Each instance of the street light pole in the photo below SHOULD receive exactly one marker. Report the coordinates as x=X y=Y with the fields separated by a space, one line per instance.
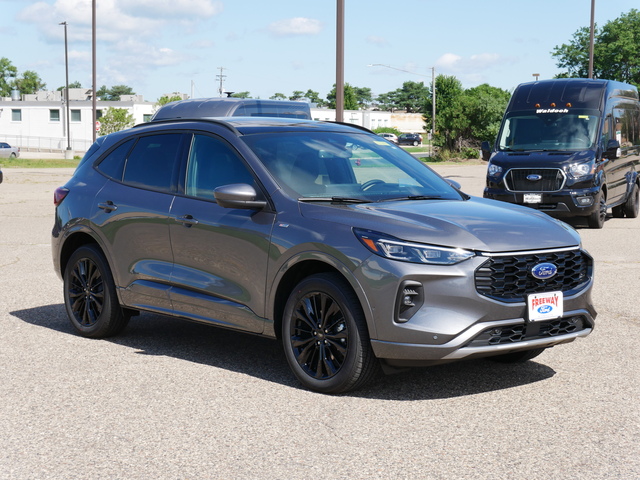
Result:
x=66 y=88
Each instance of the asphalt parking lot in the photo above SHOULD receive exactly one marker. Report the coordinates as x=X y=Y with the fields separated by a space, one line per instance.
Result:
x=175 y=400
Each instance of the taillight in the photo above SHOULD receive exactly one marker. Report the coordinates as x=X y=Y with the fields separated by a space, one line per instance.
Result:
x=59 y=195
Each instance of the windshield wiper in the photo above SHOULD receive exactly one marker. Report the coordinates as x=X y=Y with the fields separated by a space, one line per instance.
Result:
x=334 y=199
x=412 y=197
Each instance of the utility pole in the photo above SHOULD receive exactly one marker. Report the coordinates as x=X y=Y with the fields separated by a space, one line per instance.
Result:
x=221 y=77
x=340 y=61
x=591 y=35
x=94 y=84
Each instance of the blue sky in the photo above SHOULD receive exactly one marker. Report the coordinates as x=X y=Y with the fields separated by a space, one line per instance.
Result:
x=265 y=47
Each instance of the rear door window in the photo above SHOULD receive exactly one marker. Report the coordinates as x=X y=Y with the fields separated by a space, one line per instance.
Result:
x=153 y=162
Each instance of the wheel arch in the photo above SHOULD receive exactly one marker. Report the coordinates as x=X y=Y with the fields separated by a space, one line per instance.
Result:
x=293 y=273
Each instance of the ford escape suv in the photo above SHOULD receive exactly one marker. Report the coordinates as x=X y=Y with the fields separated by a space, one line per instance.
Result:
x=325 y=236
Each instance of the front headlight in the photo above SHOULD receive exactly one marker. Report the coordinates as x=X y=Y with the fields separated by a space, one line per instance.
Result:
x=395 y=249
x=578 y=170
x=494 y=170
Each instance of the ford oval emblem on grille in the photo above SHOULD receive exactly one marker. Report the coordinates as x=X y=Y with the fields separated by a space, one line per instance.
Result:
x=544 y=271
x=534 y=177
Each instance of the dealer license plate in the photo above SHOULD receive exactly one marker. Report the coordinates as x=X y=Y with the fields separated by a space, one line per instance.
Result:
x=545 y=306
x=532 y=198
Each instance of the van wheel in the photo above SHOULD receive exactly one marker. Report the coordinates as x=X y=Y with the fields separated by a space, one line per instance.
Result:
x=630 y=207
x=90 y=295
x=596 y=219
x=325 y=336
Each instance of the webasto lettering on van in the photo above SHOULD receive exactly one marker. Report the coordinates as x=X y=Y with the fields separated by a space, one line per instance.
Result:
x=552 y=110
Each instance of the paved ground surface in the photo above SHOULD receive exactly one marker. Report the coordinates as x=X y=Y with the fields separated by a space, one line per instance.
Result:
x=176 y=400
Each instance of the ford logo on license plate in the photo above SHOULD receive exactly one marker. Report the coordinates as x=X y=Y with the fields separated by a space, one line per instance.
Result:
x=544 y=271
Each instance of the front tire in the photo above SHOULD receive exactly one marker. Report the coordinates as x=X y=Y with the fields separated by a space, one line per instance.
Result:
x=598 y=216
x=90 y=295
x=325 y=337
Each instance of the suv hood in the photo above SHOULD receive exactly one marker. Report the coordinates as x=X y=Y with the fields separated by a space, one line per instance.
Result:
x=475 y=224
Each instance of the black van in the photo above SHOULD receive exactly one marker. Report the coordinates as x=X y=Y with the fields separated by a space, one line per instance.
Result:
x=569 y=147
x=232 y=107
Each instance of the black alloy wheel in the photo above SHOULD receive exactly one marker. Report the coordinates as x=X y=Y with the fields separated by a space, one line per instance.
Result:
x=632 y=205
x=325 y=336
x=598 y=216
x=90 y=295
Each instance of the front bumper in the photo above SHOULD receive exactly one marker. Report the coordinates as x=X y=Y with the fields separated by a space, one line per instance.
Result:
x=565 y=203
x=456 y=316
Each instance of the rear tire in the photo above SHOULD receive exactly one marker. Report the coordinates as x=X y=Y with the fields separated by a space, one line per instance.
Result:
x=90 y=295
x=517 y=357
x=325 y=336
x=631 y=206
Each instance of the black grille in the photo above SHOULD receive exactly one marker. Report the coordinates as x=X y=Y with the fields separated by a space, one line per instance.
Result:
x=509 y=279
x=529 y=331
x=551 y=180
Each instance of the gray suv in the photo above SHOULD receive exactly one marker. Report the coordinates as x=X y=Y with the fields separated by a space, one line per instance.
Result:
x=343 y=246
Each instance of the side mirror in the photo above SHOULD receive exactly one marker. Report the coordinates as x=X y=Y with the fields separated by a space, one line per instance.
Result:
x=613 y=149
x=238 y=195
x=486 y=151
x=453 y=183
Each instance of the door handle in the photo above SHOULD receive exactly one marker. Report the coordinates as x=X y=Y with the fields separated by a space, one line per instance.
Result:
x=187 y=220
x=108 y=206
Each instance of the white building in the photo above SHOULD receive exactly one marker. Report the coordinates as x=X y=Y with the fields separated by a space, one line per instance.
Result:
x=38 y=122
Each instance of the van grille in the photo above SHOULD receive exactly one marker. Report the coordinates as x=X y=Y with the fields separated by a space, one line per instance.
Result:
x=524 y=179
x=508 y=278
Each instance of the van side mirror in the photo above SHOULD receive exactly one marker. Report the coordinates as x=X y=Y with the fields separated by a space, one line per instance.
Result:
x=613 y=149
x=238 y=195
x=486 y=151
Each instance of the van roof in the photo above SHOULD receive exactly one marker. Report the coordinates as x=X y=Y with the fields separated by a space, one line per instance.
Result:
x=232 y=107
x=579 y=92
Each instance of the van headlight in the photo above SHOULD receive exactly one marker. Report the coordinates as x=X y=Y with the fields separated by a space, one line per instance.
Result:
x=577 y=170
x=395 y=249
x=494 y=170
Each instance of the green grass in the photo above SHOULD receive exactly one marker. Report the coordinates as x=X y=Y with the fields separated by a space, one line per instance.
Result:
x=38 y=163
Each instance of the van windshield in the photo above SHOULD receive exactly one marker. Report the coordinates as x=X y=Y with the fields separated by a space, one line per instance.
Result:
x=524 y=131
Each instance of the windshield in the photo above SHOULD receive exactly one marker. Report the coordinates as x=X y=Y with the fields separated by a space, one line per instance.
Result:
x=549 y=131
x=345 y=167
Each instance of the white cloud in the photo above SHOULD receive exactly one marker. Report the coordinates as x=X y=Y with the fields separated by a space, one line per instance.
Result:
x=450 y=62
x=296 y=26
x=376 y=40
x=172 y=9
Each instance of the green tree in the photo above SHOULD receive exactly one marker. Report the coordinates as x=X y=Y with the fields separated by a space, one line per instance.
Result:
x=297 y=95
x=464 y=118
x=241 y=95
x=29 y=82
x=75 y=84
x=278 y=96
x=314 y=97
x=8 y=74
x=115 y=119
x=350 y=98
x=411 y=97
x=175 y=97
x=616 y=51
x=114 y=93
x=364 y=97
